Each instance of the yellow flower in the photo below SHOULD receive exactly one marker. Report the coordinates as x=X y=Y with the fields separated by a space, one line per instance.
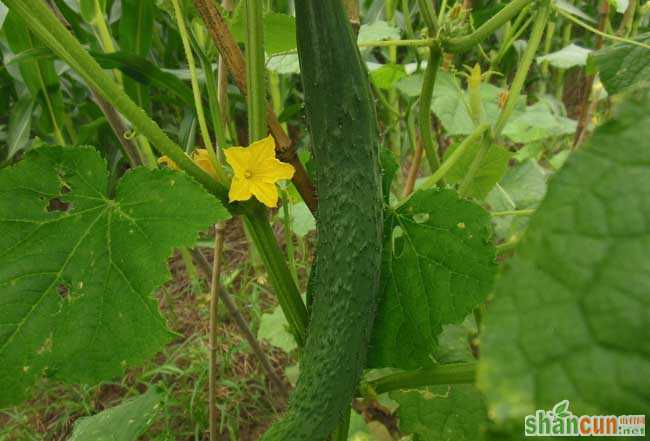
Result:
x=256 y=172
x=199 y=156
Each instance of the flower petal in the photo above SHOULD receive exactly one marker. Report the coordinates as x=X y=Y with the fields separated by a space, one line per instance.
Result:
x=240 y=190
x=166 y=160
x=272 y=170
x=261 y=150
x=202 y=159
x=239 y=159
x=265 y=193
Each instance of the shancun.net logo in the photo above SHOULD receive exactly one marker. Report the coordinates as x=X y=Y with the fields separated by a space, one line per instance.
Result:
x=561 y=422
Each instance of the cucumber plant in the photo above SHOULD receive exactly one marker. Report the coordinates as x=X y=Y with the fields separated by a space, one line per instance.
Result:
x=481 y=259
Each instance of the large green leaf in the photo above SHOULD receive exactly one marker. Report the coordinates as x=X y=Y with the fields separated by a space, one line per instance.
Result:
x=622 y=65
x=442 y=413
x=125 y=422
x=571 y=314
x=439 y=264
x=78 y=268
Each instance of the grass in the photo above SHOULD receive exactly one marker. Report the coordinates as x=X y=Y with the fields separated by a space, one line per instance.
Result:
x=247 y=403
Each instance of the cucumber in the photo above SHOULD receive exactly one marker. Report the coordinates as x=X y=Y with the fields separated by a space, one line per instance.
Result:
x=345 y=289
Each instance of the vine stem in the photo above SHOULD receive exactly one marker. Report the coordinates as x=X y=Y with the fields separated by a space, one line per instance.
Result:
x=601 y=33
x=455 y=156
x=424 y=116
x=457 y=373
x=526 y=212
x=213 y=332
x=466 y=43
x=281 y=278
x=513 y=96
x=256 y=219
x=196 y=90
x=255 y=78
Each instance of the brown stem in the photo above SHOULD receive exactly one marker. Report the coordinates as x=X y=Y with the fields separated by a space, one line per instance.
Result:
x=222 y=77
x=119 y=128
x=205 y=266
x=413 y=170
x=213 y=334
x=354 y=16
x=586 y=107
x=234 y=59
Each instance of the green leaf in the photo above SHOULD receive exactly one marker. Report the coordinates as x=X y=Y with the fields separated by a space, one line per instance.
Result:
x=522 y=187
x=453 y=342
x=362 y=431
x=410 y=86
x=279 y=32
x=3 y=13
x=90 y=9
x=569 y=318
x=125 y=422
x=450 y=104
x=20 y=123
x=442 y=413
x=136 y=35
x=78 y=269
x=38 y=74
x=571 y=9
x=302 y=219
x=438 y=266
x=145 y=72
x=284 y=64
x=274 y=328
x=389 y=167
x=378 y=31
x=387 y=75
x=492 y=168
x=567 y=57
x=622 y=65
x=539 y=121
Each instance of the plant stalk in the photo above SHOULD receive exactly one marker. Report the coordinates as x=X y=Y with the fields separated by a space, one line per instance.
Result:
x=255 y=71
x=213 y=332
x=424 y=116
x=468 y=42
x=459 y=373
x=440 y=173
x=524 y=67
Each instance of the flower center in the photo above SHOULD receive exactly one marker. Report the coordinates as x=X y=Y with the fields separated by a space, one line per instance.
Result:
x=248 y=174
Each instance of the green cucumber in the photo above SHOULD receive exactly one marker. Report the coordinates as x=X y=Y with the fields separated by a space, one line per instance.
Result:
x=345 y=142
